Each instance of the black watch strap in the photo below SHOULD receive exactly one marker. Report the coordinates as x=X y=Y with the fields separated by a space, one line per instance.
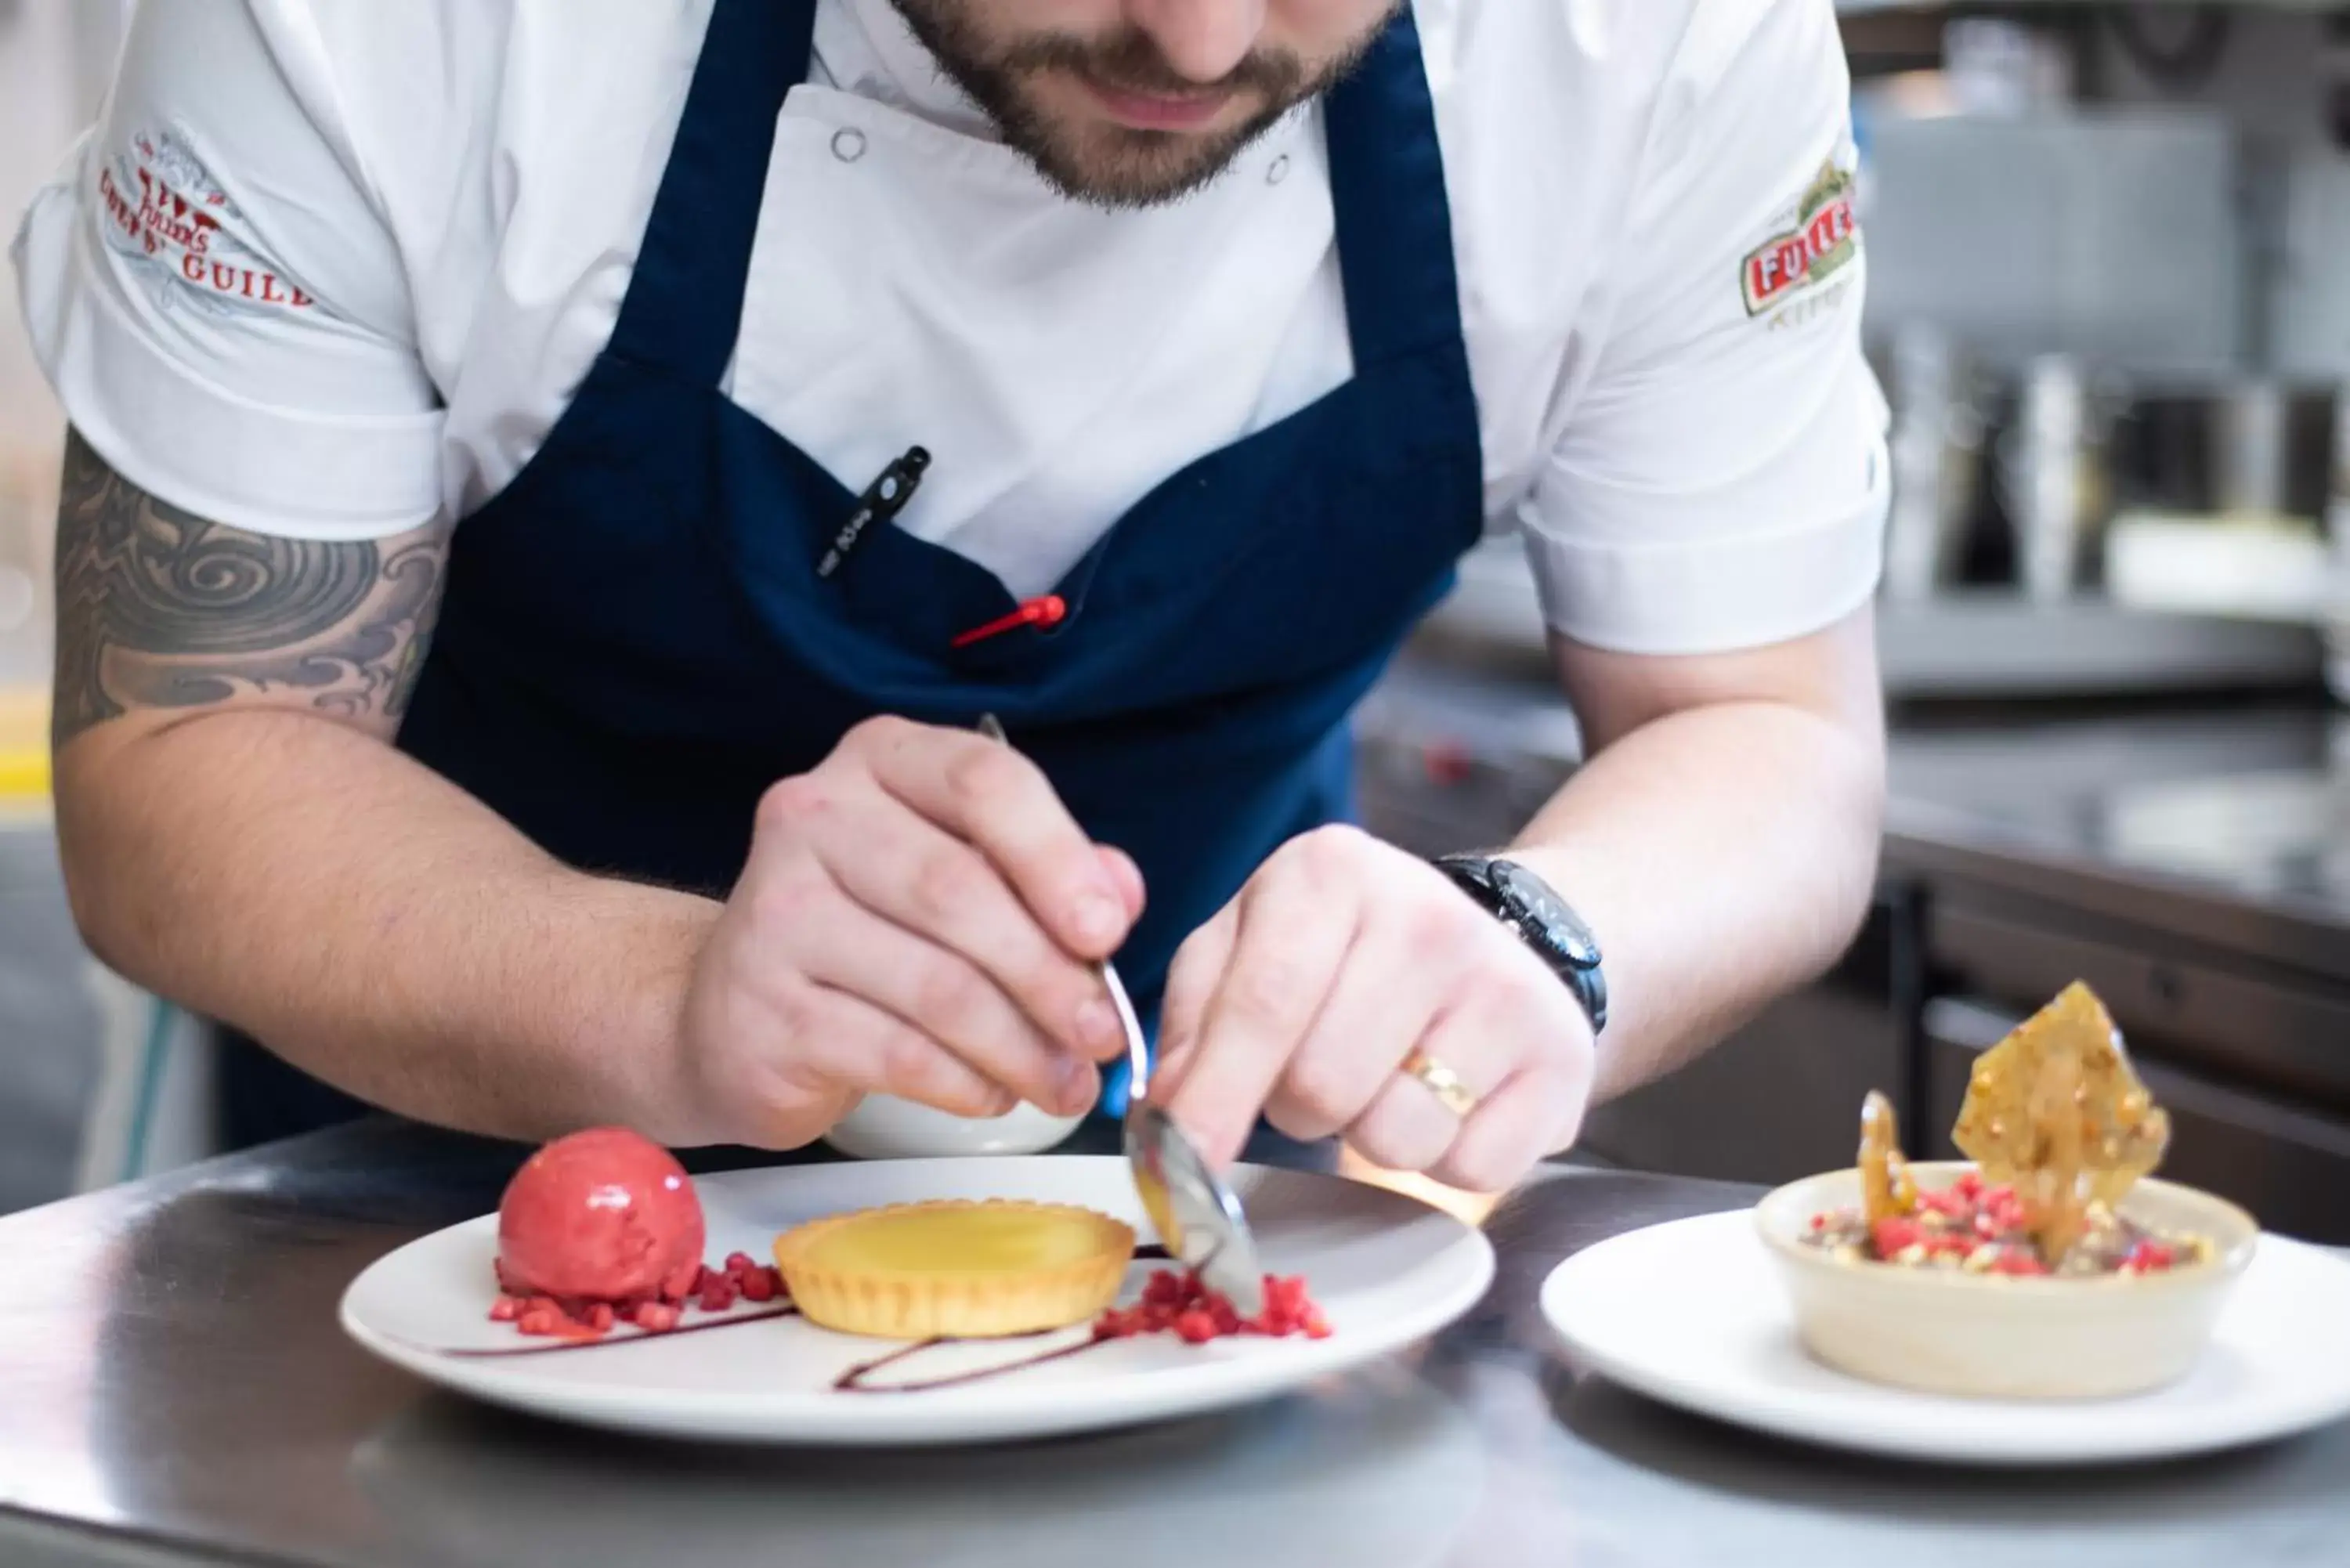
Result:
x=1532 y=910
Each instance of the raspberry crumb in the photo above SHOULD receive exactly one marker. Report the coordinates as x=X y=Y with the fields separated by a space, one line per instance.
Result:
x=1177 y=1302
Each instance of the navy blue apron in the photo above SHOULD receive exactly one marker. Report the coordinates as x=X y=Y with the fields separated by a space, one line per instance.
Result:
x=636 y=643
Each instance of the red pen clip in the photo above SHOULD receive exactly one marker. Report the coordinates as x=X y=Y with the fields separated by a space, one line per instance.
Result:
x=1040 y=613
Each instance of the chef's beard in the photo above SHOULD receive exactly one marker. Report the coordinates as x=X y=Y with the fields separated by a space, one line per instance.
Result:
x=1104 y=163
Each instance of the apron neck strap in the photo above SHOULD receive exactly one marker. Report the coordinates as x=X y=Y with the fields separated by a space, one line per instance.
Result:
x=1387 y=199
x=684 y=305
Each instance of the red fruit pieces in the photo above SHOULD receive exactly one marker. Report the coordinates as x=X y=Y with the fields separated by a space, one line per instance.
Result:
x=1891 y=1237
x=1286 y=1305
x=1178 y=1304
x=2005 y=1206
x=1949 y=1202
x=545 y=1319
x=743 y=1279
x=540 y=1315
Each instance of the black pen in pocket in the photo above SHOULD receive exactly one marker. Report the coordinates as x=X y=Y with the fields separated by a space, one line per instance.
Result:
x=883 y=499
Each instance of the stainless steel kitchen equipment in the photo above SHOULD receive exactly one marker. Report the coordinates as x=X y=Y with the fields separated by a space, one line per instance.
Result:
x=2050 y=479
x=181 y=1394
x=1936 y=449
x=2337 y=527
x=1968 y=645
x=2250 y=449
x=2108 y=233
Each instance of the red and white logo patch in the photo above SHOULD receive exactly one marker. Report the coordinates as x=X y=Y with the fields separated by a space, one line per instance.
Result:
x=167 y=215
x=1824 y=239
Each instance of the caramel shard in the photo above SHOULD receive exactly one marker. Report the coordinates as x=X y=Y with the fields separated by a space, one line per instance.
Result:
x=2056 y=1109
x=1886 y=1189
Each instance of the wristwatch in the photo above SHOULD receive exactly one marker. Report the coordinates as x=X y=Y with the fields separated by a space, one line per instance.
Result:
x=1533 y=910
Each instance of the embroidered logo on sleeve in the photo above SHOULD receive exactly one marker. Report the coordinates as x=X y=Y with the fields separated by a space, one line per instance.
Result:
x=1820 y=241
x=167 y=216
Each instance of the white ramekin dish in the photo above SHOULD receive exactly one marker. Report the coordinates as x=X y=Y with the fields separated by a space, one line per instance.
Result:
x=884 y=1127
x=1994 y=1336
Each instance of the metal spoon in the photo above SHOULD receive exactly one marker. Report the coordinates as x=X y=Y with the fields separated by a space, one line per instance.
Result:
x=1197 y=1213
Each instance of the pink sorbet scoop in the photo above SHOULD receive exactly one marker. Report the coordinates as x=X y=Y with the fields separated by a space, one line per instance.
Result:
x=604 y=1215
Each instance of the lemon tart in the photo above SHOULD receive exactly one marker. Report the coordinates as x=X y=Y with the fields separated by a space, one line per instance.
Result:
x=955 y=1270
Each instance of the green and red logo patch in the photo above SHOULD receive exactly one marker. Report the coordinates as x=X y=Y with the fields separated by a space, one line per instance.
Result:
x=1826 y=238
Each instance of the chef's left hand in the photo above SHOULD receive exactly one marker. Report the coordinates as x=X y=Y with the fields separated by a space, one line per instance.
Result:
x=1304 y=998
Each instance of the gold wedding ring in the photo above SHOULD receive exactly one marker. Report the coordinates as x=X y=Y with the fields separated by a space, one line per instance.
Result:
x=1449 y=1088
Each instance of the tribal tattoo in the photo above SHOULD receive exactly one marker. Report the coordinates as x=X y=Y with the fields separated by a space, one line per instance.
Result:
x=158 y=608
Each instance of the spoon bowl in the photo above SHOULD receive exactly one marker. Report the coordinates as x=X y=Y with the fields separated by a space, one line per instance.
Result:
x=1197 y=1213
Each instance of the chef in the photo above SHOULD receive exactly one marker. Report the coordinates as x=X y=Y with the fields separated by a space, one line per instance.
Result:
x=554 y=484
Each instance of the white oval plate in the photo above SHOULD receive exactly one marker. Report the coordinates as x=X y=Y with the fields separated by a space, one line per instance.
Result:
x=1388 y=1270
x=1690 y=1313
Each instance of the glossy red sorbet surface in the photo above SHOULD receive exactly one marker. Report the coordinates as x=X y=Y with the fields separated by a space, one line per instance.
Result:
x=601 y=1215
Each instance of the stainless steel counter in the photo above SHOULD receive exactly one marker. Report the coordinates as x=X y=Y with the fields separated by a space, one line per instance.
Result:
x=1984 y=644
x=2228 y=830
x=173 y=1389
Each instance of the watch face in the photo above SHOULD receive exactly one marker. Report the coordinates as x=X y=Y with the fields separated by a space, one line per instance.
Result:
x=1558 y=925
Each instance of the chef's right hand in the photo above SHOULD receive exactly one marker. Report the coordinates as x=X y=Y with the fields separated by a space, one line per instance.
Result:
x=918 y=917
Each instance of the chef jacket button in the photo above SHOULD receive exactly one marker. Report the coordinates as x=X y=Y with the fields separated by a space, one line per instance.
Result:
x=848 y=144
x=1277 y=171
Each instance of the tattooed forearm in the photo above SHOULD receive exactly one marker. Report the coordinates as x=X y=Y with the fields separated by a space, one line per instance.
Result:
x=158 y=608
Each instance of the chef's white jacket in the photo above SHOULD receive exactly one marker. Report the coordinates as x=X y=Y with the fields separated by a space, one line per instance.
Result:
x=331 y=269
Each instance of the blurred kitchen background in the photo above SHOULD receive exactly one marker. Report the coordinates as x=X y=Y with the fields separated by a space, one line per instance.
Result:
x=2110 y=306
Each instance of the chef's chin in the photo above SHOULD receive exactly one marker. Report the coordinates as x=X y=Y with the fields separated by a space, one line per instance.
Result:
x=1088 y=153
x=1106 y=118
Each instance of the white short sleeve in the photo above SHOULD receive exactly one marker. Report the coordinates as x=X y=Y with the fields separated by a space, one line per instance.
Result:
x=213 y=293
x=1721 y=481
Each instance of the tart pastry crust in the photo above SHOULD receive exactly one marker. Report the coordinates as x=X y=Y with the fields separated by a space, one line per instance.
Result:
x=955 y=1268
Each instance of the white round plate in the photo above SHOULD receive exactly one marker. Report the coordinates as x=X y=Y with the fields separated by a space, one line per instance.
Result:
x=1690 y=1313
x=1387 y=1269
